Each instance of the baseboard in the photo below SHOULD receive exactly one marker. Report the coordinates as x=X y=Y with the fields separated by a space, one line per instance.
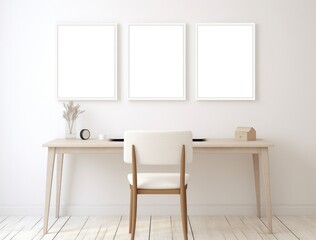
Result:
x=161 y=210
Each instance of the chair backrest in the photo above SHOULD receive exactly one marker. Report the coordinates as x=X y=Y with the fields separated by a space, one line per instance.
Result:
x=158 y=147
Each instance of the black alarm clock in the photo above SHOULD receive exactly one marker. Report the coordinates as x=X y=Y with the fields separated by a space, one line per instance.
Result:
x=84 y=134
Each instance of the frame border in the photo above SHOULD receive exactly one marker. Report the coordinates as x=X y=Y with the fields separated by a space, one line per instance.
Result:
x=184 y=63
x=115 y=62
x=253 y=25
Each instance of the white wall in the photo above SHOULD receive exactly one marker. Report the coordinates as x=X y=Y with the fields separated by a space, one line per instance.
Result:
x=284 y=112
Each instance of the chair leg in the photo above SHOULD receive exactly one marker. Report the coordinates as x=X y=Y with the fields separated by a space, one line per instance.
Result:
x=183 y=200
x=134 y=213
x=186 y=212
x=131 y=212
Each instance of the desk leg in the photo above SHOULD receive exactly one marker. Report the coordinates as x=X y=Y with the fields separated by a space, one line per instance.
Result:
x=60 y=160
x=266 y=180
x=255 y=158
x=49 y=180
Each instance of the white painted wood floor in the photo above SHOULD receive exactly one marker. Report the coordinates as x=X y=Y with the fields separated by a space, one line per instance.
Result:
x=159 y=227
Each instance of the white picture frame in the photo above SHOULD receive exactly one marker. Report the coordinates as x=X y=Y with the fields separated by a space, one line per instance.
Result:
x=86 y=61
x=225 y=61
x=157 y=61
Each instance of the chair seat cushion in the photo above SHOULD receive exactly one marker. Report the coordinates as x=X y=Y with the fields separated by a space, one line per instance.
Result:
x=157 y=180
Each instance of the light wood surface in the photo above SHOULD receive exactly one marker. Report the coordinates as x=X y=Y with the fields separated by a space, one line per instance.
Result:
x=72 y=228
x=54 y=228
x=229 y=142
x=255 y=158
x=266 y=183
x=177 y=230
x=30 y=229
x=9 y=225
x=159 y=227
x=65 y=143
x=258 y=149
x=60 y=160
x=141 y=232
x=303 y=227
x=49 y=181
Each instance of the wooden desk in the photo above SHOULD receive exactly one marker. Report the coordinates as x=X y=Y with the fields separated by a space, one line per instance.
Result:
x=259 y=150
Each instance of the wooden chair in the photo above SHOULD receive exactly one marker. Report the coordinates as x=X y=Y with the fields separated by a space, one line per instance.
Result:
x=158 y=148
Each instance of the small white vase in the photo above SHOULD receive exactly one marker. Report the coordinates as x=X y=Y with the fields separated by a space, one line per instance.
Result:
x=70 y=129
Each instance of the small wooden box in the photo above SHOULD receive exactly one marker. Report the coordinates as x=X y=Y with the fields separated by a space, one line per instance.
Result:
x=245 y=134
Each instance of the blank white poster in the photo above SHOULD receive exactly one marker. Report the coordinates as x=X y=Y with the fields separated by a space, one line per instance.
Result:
x=86 y=62
x=156 y=62
x=225 y=61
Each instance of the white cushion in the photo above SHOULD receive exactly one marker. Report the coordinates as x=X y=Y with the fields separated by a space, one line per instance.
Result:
x=158 y=147
x=157 y=180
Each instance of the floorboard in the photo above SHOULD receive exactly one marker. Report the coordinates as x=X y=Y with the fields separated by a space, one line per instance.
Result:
x=176 y=228
x=27 y=229
x=10 y=225
x=54 y=229
x=72 y=228
x=303 y=227
x=208 y=227
x=108 y=228
x=257 y=228
x=158 y=228
x=280 y=231
x=161 y=228
x=142 y=228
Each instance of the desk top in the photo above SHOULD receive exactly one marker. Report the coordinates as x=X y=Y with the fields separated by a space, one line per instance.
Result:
x=209 y=143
